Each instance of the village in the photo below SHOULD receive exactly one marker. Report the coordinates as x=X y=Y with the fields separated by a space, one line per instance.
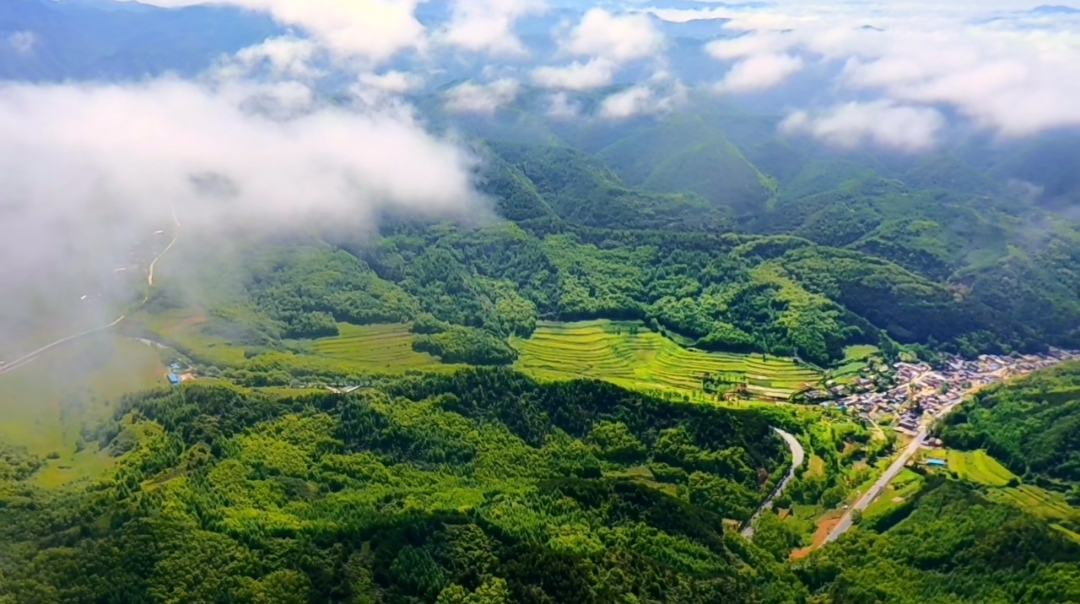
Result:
x=901 y=394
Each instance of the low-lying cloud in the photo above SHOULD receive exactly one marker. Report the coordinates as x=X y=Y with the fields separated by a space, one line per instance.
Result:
x=619 y=38
x=138 y=147
x=1005 y=70
x=759 y=72
x=656 y=97
x=90 y=168
x=596 y=73
x=487 y=98
x=880 y=123
x=487 y=25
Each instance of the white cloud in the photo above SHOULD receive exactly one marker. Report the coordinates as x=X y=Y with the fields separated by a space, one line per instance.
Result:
x=561 y=107
x=759 y=72
x=1010 y=73
x=632 y=101
x=395 y=82
x=750 y=45
x=487 y=25
x=619 y=38
x=23 y=42
x=576 y=76
x=641 y=100
x=128 y=152
x=481 y=98
x=384 y=90
x=90 y=168
x=286 y=56
x=370 y=29
x=1015 y=83
x=883 y=123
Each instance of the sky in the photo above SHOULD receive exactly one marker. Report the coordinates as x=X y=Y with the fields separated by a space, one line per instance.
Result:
x=84 y=159
x=1002 y=71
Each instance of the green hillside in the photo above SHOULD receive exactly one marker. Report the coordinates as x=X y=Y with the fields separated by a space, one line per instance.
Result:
x=949 y=545
x=687 y=154
x=1031 y=426
x=582 y=191
x=424 y=489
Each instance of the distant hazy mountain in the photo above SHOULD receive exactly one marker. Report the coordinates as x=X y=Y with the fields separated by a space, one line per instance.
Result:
x=98 y=39
x=1055 y=9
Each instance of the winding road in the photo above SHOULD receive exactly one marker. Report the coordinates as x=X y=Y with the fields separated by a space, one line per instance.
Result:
x=798 y=456
x=150 y=283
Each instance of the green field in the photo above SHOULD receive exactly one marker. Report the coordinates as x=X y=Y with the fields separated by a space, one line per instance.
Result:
x=979 y=467
x=44 y=404
x=382 y=348
x=907 y=484
x=1040 y=502
x=608 y=350
x=859 y=352
x=186 y=330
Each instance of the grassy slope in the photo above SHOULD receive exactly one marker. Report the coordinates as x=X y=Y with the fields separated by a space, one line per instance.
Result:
x=686 y=154
x=607 y=350
x=44 y=405
x=979 y=467
x=376 y=347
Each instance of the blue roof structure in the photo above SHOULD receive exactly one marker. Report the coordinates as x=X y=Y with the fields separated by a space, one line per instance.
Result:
x=937 y=462
x=174 y=379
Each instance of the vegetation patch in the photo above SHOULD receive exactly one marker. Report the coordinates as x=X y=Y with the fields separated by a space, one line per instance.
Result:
x=980 y=468
x=628 y=354
x=859 y=352
x=45 y=404
x=383 y=348
x=419 y=489
x=1037 y=501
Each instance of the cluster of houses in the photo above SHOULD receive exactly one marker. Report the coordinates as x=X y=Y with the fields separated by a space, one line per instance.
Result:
x=907 y=391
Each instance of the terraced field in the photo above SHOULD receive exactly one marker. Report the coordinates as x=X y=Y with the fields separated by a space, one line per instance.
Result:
x=376 y=348
x=979 y=467
x=634 y=357
x=1040 y=502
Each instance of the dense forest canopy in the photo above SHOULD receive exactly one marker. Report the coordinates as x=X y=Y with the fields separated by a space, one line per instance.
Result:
x=484 y=485
x=1032 y=426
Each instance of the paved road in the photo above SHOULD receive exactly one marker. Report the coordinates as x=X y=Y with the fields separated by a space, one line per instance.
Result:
x=879 y=486
x=797 y=458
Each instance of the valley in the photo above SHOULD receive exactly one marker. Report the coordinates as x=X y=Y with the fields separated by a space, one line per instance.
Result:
x=452 y=302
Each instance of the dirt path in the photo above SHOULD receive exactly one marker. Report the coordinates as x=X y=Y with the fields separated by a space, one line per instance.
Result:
x=825 y=526
x=150 y=282
x=176 y=236
x=33 y=355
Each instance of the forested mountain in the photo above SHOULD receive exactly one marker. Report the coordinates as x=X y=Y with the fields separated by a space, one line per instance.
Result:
x=948 y=545
x=739 y=293
x=542 y=302
x=484 y=486
x=1032 y=426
